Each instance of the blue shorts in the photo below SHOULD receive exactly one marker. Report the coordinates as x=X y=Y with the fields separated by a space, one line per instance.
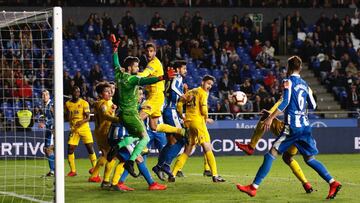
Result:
x=125 y=152
x=49 y=138
x=157 y=140
x=171 y=117
x=301 y=138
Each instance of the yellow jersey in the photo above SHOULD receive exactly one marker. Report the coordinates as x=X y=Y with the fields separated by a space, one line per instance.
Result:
x=276 y=105
x=104 y=115
x=154 y=69
x=77 y=112
x=196 y=105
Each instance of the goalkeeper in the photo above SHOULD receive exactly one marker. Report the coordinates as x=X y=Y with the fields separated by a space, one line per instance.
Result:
x=276 y=128
x=128 y=83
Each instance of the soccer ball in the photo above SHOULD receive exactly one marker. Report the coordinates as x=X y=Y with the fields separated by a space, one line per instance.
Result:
x=240 y=98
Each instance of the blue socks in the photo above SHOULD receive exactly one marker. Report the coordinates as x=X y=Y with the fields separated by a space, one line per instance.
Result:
x=124 y=175
x=145 y=172
x=264 y=168
x=174 y=151
x=319 y=168
x=51 y=160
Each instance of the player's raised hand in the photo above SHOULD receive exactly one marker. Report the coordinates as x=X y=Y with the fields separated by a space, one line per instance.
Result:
x=115 y=42
x=170 y=73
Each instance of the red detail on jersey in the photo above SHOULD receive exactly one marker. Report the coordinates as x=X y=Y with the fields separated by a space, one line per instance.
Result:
x=286 y=84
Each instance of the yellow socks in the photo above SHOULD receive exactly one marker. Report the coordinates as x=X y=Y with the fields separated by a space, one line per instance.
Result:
x=92 y=158
x=258 y=133
x=295 y=167
x=180 y=162
x=206 y=164
x=211 y=160
x=108 y=168
x=100 y=163
x=71 y=159
x=165 y=128
x=118 y=172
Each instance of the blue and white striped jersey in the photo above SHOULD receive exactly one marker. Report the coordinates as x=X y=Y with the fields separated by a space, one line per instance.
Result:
x=48 y=114
x=174 y=90
x=297 y=98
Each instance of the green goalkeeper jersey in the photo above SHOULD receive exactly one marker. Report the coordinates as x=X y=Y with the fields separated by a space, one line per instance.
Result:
x=128 y=88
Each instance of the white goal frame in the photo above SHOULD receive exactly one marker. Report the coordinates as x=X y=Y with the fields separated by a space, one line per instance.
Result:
x=59 y=106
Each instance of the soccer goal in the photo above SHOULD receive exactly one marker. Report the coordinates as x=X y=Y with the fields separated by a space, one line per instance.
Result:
x=31 y=63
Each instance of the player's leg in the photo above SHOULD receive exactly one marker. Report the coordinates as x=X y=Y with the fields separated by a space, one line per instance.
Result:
x=87 y=139
x=207 y=170
x=204 y=140
x=281 y=144
x=135 y=127
x=116 y=184
x=49 y=151
x=73 y=142
x=295 y=167
x=181 y=160
x=100 y=163
x=307 y=147
x=276 y=128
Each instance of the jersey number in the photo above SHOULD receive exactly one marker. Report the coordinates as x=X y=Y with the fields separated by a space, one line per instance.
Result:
x=301 y=100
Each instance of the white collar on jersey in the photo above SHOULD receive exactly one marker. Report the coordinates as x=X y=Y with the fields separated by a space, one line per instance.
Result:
x=295 y=74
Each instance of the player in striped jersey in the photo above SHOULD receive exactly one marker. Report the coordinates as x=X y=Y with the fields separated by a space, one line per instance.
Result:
x=47 y=122
x=297 y=131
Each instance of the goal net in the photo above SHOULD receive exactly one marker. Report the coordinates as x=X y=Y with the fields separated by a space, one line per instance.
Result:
x=31 y=57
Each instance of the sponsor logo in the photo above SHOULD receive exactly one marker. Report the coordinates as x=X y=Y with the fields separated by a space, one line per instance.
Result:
x=245 y=126
x=21 y=148
x=318 y=124
x=357 y=143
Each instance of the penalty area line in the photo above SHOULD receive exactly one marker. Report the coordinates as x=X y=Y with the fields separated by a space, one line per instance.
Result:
x=22 y=197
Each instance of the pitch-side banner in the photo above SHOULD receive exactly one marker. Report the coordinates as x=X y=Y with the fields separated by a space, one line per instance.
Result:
x=329 y=141
x=250 y=124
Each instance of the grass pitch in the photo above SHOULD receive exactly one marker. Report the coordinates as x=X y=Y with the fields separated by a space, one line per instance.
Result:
x=279 y=186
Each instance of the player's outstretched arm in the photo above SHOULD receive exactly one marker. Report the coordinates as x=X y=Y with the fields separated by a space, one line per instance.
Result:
x=137 y=80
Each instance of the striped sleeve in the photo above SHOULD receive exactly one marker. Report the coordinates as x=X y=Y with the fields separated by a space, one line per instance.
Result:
x=286 y=95
x=310 y=100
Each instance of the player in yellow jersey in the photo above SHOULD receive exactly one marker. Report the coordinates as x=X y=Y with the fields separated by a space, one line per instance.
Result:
x=104 y=116
x=155 y=93
x=276 y=128
x=78 y=114
x=196 y=117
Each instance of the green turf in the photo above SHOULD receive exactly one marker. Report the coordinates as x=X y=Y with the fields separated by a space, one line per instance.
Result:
x=279 y=186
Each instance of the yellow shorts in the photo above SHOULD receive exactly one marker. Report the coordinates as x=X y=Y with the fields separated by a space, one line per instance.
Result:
x=84 y=134
x=155 y=102
x=198 y=133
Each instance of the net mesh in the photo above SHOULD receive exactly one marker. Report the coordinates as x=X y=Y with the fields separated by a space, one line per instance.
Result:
x=26 y=42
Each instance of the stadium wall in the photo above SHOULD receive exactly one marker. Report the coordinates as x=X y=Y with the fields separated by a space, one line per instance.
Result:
x=330 y=140
x=216 y=15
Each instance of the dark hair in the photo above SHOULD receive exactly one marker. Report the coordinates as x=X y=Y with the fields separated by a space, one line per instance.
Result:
x=101 y=87
x=112 y=83
x=208 y=77
x=150 y=44
x=294 y=64
x=129 y=61
x=74 y=88
x=179 y=63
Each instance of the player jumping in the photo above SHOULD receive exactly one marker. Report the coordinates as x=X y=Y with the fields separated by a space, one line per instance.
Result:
x=297 y=131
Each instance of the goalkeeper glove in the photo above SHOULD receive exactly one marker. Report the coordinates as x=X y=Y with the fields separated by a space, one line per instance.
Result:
x=170 y=73
x=115 y=43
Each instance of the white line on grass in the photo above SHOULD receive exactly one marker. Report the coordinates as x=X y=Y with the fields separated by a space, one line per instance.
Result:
x=22 y=197
x=272 y=177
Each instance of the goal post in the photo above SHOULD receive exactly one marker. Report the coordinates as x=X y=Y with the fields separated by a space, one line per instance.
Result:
x=31 y=61
x=59 y=106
